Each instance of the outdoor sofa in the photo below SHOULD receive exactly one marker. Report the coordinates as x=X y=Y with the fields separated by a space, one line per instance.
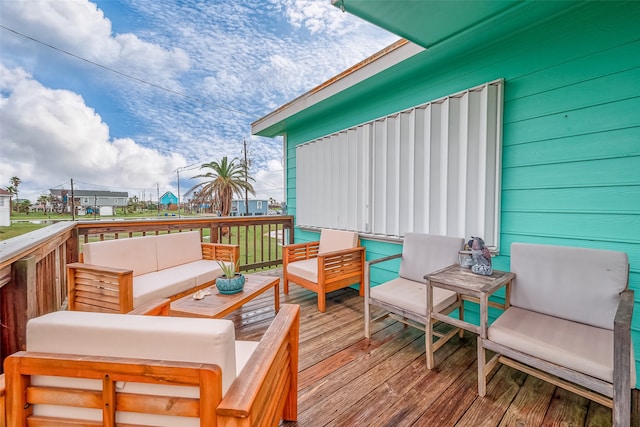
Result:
x=99 y=369
x=119 y=275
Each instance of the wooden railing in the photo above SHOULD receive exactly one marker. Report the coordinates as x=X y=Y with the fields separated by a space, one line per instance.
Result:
x=32 y=266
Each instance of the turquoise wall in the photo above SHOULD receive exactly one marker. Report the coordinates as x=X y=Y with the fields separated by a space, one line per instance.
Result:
x=571 y=145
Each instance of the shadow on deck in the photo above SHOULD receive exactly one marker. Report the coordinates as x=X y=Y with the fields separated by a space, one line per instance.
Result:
x=347 y=380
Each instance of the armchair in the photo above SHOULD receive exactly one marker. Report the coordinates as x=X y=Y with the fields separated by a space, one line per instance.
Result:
x=568 y=322
x=103 y=369
x=405 y=298
x=334 y=262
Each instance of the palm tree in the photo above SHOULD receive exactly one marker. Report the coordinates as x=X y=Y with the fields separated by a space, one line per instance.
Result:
x=15 y=183
x=223 y=180
x=44 y=200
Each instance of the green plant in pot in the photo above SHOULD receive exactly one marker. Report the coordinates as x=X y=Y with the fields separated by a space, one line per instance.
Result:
x=231 y=282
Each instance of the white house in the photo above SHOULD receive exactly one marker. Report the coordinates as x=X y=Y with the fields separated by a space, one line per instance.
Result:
x=5 y=208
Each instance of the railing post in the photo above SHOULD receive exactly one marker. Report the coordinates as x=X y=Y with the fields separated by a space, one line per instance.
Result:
x=19 y=304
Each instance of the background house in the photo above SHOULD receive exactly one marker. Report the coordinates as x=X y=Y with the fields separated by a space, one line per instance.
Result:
x=256 y=207
x=5 y=208
x=514 y=120
x=86 y=201
x=169 y=199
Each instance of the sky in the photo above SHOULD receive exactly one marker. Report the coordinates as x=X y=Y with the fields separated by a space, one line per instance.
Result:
x=129 y=95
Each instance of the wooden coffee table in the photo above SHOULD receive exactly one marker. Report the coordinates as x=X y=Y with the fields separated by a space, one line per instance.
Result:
x=218 y=305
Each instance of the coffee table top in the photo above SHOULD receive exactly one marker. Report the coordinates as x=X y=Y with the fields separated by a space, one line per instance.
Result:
x=218 y=305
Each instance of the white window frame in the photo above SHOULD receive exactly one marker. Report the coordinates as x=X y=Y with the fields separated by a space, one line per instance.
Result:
x=371 y=178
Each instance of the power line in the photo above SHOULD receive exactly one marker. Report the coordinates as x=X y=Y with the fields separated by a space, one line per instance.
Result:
x=129 y=76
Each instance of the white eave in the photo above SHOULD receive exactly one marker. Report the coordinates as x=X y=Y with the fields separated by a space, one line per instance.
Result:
x=380 y=61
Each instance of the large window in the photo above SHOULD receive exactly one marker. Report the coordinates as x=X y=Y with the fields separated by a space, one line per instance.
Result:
x=433 y=168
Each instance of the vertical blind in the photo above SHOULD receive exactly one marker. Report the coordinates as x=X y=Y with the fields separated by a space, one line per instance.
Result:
x=433 y=168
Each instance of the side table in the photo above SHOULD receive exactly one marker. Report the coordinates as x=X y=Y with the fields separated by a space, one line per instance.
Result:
x=470 y=287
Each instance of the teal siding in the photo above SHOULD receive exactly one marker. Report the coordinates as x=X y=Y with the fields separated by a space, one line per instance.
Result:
x=571 y=137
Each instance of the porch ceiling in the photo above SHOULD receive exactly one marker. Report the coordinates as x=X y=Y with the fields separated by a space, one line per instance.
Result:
x=430 y=23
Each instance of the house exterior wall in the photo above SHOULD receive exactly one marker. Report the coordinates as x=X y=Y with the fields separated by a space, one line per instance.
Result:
x=571 y=132
x=256 y=207
x=5 y=211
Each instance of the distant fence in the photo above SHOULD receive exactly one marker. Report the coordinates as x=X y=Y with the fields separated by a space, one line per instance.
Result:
x=32 y=266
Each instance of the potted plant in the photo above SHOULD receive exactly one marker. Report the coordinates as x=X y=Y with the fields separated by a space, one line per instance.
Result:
x=231 y=282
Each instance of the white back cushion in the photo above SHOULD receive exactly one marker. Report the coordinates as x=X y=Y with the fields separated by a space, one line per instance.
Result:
x=137 y=254
x=425 y=253
x=335 y=240
x=578 y=284
x=178 y=248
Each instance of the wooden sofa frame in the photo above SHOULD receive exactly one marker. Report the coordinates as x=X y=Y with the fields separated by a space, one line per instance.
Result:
x=264 y=392
x=106 y=289
x=336 y=270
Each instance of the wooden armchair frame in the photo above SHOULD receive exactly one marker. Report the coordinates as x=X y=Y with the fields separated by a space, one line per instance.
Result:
x=264 y=392
x=336 y=270
x=106 y=289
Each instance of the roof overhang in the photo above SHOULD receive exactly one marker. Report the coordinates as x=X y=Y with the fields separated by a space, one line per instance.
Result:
x=274 y=123
x=430 y=23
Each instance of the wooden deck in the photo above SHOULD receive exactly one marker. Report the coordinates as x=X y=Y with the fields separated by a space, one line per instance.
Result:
x=347 y=380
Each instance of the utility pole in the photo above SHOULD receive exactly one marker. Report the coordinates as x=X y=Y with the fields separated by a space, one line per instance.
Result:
x=246 y=179
x=73 y=203
x=178 y=172
x=158 y=191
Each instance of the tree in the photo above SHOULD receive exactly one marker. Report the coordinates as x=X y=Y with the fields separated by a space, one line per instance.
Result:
x=44 y=200
x=15 y=182
x=223 y=180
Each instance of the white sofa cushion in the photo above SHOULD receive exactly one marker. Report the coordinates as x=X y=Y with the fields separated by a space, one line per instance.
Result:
x=336 y=240
x=307 y=269
x=137 y=254
x=412 y=296
x=568 y=282
x=178 y=248
x=425 y=253
x=145 y=337
x=583 y=348
x=160 y=284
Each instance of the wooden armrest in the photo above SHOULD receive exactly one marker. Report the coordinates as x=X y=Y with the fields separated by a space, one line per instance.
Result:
x=99 y=288
x=383 y=259
x=625 y=310
x=253 y=396
x=622 y=359
x=3 y=402
x=159 y=307
x=98 y=268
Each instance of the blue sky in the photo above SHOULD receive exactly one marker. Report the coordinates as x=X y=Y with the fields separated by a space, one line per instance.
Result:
x=150 y=86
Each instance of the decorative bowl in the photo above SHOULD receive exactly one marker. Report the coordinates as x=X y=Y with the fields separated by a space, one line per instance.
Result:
x=230 y=286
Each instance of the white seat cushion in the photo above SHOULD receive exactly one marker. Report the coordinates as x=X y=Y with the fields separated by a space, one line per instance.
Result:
x=577 y=346
x=307 y=269
x=160 y=284
x=412 y=296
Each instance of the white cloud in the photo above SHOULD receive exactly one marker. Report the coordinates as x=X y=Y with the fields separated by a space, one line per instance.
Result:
x=51 y=135
x=235 y=61
x=79 y=27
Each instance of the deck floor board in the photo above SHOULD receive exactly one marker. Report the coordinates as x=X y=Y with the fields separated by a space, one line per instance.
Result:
x=348 y=380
